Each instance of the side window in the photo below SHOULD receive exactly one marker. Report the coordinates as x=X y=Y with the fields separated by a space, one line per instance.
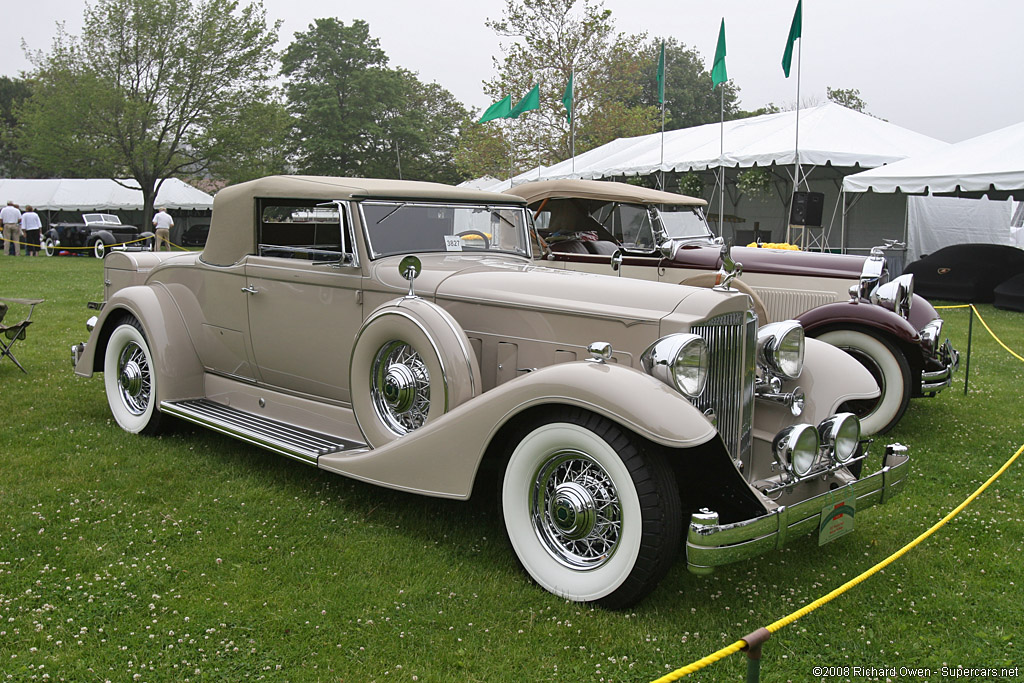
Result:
x=301 y=229
x=634 y=222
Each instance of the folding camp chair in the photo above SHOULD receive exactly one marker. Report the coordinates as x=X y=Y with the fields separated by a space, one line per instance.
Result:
x=9 y=334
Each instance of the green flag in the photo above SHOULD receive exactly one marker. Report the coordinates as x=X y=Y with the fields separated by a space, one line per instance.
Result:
x=718 y=74
x=795 y=29
x=498 y=110
x=567 y=100
x=661 y=74
x=528 y=103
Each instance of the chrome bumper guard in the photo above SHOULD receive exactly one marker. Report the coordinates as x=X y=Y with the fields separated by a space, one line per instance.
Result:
x=76 y=353
x=937 y=380
x=710 y=544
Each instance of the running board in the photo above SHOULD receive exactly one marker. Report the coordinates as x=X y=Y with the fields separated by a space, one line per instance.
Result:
x=279 y=437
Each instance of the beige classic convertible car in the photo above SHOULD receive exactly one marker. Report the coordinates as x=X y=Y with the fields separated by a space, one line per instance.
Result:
x=401 y=334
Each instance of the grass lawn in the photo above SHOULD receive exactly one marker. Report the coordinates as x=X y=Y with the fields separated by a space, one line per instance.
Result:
x=193 y=557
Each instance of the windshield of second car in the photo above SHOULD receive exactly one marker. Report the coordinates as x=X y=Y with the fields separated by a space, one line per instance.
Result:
x=684 y=222
x=629 y=223
x=397 y=227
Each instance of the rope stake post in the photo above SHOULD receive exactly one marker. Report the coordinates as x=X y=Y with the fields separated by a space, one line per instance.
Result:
x=754 y=641
x=970 y=336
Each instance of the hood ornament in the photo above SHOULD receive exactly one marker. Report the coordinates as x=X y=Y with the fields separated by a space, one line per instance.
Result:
x=730 y=269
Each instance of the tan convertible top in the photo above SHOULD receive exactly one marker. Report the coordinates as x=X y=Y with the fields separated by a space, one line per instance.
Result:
x=232 y=233
x=600 y=190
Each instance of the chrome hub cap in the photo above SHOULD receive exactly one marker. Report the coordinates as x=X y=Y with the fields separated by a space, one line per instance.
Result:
x=575 y=510
x=400 y=387
x=133 y=378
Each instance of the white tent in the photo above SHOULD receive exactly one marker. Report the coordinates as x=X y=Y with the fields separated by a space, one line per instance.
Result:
x=991 y=164
x=99 y=194
x=830 y=134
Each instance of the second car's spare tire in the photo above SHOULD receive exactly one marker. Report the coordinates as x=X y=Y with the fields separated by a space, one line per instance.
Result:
x=411 y=363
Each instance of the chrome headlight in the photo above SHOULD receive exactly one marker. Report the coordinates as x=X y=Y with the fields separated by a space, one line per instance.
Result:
x=680 y=361
x=796 y=448
x=930 y=336
x=780 y=348
x=897 y=295
x=840 y=436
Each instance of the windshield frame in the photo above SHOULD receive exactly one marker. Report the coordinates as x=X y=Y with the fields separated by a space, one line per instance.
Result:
x=397 y=205
x=709 y=235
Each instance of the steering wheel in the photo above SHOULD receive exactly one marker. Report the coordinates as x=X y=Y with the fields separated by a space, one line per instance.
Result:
x=475 y=233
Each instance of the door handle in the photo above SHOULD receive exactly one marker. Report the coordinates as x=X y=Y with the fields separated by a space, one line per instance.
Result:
x=249 y=289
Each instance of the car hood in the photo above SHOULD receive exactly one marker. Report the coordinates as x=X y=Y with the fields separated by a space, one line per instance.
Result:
x=778 y=261
x=518 y=283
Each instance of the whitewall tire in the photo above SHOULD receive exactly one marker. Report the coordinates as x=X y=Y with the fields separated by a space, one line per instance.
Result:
x=129 y=379
x=889 y=368
x=590 y=515
x=49 y=246
x=99 y=248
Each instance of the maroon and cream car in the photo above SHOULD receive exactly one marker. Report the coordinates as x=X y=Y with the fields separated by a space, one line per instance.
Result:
x=401 y=333
x=845 y=300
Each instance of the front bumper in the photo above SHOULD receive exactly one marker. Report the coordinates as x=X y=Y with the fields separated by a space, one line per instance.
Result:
x=934 y=381
x=710 y=544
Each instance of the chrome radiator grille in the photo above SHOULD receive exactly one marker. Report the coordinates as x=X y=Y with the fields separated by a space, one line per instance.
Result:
x=731 y=340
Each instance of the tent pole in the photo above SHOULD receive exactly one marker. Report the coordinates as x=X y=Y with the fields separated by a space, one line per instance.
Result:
x=842 y=233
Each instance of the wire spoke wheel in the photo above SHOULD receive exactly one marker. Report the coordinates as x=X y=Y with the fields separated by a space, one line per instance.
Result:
x=400 y=387
x=133 y=378
x=575 y=510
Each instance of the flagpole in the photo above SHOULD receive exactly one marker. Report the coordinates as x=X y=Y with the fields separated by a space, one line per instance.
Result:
x=721 y=168
x=572 y=118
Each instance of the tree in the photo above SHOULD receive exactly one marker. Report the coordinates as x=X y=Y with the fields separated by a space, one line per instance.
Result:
x=13 y=94
x=689 y=98
x=553 y=39
x=152 y=89
x=353 y=115
x=848 y=97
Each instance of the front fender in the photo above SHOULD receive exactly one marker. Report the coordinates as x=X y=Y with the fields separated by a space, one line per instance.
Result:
x=861 y=314
x=177 y=368
x=830 y=378
x=429 y=461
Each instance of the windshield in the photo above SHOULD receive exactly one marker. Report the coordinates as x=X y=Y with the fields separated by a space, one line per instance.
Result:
x=685 y=222
x=101 y=218
x=395 y=227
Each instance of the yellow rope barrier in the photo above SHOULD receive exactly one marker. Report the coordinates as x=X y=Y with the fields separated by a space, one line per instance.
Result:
x=105 y=246
x=807 y=609
x=998 y=340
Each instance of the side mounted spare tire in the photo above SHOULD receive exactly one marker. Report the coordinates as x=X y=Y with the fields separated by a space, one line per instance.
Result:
x=411 y=363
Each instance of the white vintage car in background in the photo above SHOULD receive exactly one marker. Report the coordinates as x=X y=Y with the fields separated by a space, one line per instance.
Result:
x=846 y=300
x=400 y=333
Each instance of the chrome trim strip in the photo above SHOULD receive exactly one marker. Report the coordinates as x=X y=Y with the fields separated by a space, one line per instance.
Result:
x=709 y=546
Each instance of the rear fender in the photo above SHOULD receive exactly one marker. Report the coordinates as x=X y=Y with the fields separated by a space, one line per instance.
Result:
x=177 y=368
x=442 y=457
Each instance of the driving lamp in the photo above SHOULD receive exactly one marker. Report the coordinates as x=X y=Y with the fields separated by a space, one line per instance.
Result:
x=796 y=448
x=780 y=348
x=840 y=435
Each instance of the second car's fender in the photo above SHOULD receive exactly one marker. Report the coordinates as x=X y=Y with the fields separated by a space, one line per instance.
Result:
x=441 y=458
x=862 y=314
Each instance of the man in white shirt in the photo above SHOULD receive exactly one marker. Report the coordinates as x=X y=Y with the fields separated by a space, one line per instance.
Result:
x=30 y=227
x=163 y=222
x=10 y=216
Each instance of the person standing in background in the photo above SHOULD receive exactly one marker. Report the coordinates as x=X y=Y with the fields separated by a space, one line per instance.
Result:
x=10 y=216
x=30 y=227
x=163 y=223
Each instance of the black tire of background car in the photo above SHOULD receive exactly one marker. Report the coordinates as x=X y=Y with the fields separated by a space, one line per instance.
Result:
x=637 y=470
x=887 y=365
x=129 y=336
x=433 y=335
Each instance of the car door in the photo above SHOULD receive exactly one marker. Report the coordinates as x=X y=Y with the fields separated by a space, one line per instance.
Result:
x=304 y=297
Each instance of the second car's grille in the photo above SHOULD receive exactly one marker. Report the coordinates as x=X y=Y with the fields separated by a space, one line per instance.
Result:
x=731 y=340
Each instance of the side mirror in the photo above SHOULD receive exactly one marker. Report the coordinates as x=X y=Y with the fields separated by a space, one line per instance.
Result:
x=667 y=248
x=616 y=259
x=410 y=268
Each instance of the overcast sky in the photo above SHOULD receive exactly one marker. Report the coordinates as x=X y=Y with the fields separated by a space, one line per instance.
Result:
x=945 y=68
